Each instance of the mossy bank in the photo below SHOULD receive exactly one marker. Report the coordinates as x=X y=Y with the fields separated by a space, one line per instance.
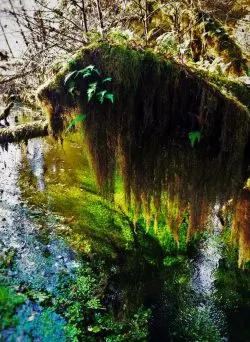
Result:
x=180 y=141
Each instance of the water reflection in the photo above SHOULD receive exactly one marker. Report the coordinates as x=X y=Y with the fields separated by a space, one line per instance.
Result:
x=35 y=157
x=39 y=255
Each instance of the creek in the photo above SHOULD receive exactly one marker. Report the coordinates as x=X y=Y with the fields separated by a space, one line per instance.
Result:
x=32 y=237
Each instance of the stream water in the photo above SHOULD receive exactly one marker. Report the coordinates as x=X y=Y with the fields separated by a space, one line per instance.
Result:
x=40 y=256
x=37 y=263
x=205 y=266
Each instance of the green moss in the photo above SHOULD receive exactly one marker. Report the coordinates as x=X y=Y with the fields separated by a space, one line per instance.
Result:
x=94 y=226
x=232 y=284
x=7 y=257
x=233 y=88
x=9 y=301
x=145 y=135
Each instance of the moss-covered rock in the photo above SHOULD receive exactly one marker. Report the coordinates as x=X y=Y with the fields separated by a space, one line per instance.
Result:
x=159 y=105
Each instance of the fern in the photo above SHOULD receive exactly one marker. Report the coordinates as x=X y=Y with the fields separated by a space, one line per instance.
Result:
x=93 y=89
x=107 y=79
x=101 y=96
x=70 y=76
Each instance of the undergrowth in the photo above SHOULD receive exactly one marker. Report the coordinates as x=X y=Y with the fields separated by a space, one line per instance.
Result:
x=232 y=290
x=9 y=301
x=82 y=303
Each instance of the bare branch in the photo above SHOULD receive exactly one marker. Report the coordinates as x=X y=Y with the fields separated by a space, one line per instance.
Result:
x=6 y=39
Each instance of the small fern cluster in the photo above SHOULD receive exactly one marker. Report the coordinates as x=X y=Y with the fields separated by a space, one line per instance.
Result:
x=94 y=89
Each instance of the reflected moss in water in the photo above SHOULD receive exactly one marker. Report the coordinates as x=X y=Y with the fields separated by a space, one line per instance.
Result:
x=98 y=229
x=70 y=191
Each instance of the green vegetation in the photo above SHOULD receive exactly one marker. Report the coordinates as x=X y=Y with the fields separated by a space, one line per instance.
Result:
x=194 y=137
x=232 y=290
x=45 y=325
x=89 y=319
x=195 y=324
x=189 y=318
x=9 y=301
x=85 y=301
x=97 y=231
x=71 y=193
x=212 y=41
x=94 y=88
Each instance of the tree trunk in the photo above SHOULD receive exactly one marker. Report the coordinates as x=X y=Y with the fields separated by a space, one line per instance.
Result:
x=6 y=112
x=84 y=16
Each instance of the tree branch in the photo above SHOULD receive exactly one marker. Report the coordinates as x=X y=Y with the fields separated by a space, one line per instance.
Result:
x=24 y=132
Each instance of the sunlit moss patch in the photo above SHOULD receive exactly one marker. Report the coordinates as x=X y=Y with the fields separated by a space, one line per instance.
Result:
x=94 y=226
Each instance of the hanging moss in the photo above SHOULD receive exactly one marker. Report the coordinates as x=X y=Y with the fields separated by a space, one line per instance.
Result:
x=145 y=134
x=241 y=224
